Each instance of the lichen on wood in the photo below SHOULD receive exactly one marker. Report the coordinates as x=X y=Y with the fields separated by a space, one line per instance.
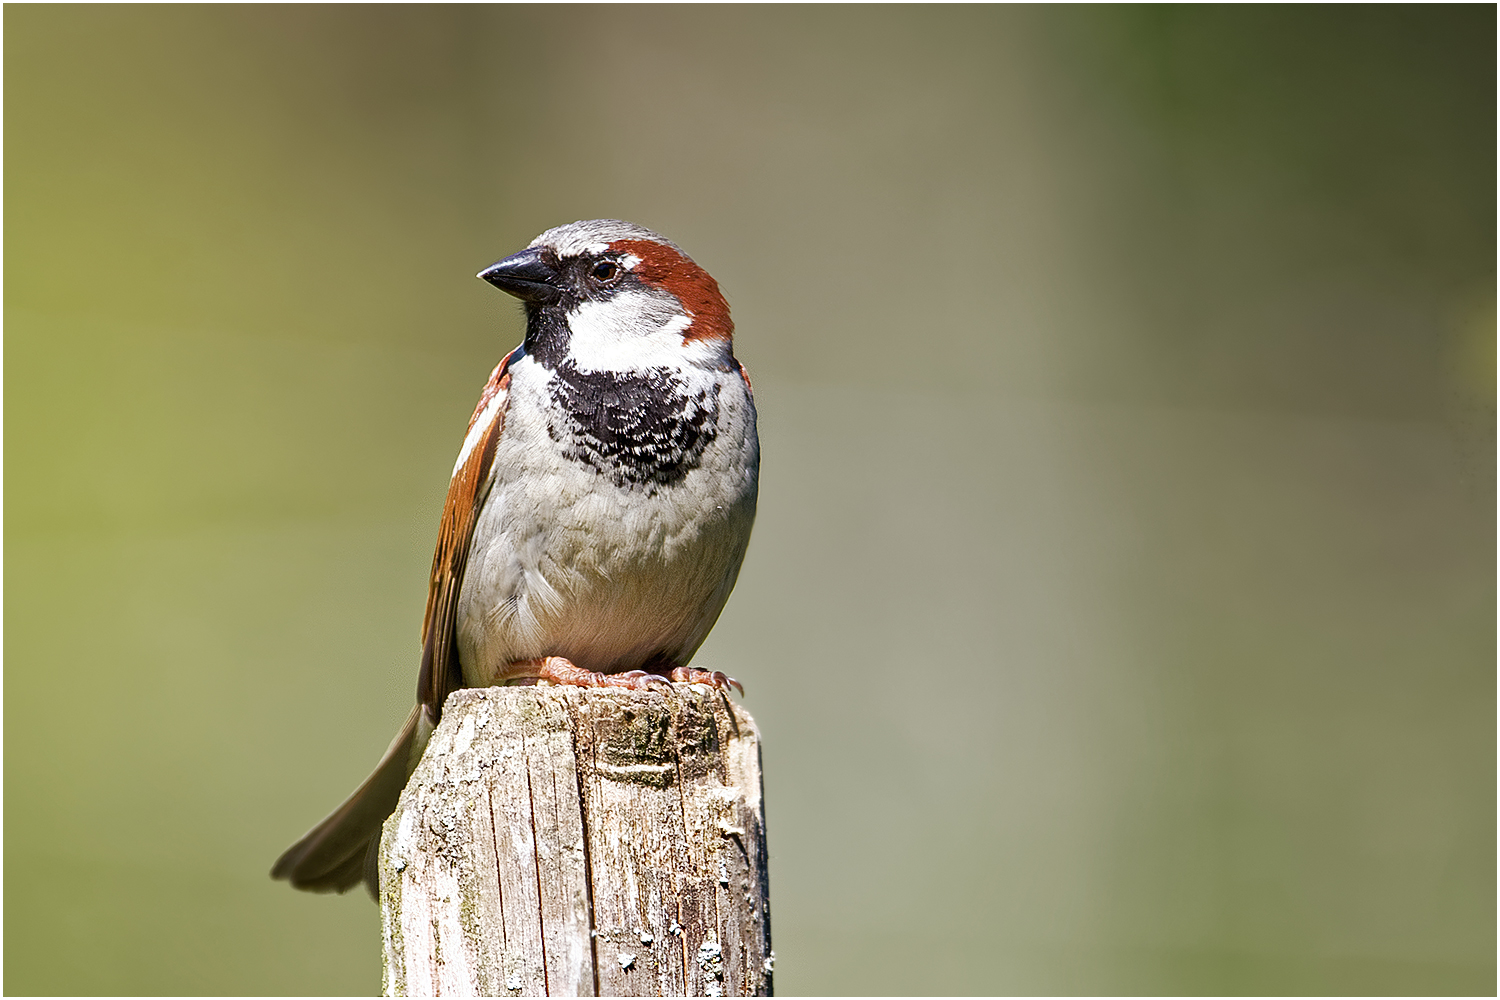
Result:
x=580 y=841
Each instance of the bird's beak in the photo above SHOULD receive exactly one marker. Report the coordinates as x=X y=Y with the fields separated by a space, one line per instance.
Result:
x=527 y=275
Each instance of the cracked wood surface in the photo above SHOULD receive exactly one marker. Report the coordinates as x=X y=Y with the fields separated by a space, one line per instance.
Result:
x=560 y=841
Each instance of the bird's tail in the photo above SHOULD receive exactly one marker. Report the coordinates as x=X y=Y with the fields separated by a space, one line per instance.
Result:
x=341 y=850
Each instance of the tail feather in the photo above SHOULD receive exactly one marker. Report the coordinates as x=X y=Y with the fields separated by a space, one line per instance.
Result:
x=333 y=856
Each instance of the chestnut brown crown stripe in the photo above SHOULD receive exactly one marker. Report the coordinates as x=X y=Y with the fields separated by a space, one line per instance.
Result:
x=694 y=287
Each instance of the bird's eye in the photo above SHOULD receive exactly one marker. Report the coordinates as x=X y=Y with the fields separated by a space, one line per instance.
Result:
x=606 y=270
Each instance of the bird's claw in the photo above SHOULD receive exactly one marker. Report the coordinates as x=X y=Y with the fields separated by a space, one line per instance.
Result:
x=714 y=678
x=636 y=680
x=559 y=670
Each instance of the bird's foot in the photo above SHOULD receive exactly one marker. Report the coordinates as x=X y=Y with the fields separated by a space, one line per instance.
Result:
x=560 y=670
x=713 y=678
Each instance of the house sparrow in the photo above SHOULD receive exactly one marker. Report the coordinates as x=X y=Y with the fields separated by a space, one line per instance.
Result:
x=599 y=509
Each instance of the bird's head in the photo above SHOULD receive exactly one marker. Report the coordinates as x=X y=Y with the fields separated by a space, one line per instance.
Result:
x=607 y=294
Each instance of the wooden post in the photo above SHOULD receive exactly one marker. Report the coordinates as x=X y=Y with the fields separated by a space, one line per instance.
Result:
x=560 y=841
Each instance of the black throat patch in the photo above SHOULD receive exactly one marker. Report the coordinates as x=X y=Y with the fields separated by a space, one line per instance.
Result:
x=642 y=429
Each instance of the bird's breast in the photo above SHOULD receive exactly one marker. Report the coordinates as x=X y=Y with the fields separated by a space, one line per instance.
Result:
x=617 y=517
x=643 y=429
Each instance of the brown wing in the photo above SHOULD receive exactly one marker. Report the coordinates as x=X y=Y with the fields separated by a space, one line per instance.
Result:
x=440 y=673
x=340 y=851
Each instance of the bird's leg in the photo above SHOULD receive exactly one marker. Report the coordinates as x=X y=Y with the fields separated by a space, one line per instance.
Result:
x=560 y=670
x=715 y=678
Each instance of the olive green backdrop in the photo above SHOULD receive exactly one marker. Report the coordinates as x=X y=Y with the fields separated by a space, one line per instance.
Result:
x=1121 y=612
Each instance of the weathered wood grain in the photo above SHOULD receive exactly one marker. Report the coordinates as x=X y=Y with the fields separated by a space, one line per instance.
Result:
x=580 y=841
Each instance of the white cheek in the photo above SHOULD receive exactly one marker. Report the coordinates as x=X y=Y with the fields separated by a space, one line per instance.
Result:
x=632 y=330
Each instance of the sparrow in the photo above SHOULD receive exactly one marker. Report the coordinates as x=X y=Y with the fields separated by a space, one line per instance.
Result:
x=598 y=512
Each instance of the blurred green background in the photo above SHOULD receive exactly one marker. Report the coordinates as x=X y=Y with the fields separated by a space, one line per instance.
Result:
x=1121 y=613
